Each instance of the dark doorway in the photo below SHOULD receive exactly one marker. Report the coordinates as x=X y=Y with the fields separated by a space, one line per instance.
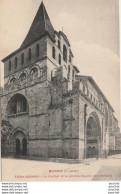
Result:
x=93 y=134
x=24 y=147
x=89 y=152
x=18 y=150
x=92 y=152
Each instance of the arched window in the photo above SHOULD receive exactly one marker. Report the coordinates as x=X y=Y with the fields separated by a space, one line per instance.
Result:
x=70 y=58
x=106 y=119
x=53 y=52
x=59 y=59
x=69 y=69
x=59 y=44
x=64 y=53
x=84 y=88
x=9 y=67
x=73 y=73
x=29 y=54
x=16 y=63
x=37 y=50
x=22 y=58
x=34 y=73
x=68 y=75
x=22 y=77
x=12 y=80
x=17 y=104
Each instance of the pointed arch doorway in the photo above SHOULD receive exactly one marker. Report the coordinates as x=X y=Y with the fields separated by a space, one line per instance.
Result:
x=20 y=140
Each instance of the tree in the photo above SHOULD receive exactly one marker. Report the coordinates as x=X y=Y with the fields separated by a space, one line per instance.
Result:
x=6 y=129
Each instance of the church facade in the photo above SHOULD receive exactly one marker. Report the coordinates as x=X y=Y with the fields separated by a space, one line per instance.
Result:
x=50 y=110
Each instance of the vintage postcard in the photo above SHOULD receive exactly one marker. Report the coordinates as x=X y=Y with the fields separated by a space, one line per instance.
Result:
x=60 y=90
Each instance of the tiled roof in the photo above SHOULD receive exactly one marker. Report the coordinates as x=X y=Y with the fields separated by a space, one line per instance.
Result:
x=96 y=87
x=40 y=26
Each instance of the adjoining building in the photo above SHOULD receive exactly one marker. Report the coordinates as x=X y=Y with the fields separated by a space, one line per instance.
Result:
x=115 y=138
x=48 y=109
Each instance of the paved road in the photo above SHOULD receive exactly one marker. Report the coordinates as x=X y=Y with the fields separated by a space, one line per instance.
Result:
x=29 y=170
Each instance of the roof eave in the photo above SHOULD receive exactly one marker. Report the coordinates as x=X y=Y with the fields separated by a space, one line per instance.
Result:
x=20 y=49
x=76 y=69
x=97 y=87
x=66 y=39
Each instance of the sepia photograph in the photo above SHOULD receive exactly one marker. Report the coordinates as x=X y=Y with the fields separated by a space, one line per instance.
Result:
x=60 y=90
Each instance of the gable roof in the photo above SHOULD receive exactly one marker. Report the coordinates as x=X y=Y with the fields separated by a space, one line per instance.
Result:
x=96 y=87
x=40 y=26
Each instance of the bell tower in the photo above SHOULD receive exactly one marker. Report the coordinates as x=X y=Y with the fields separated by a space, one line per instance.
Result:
x=34 y=76
x=31 y=58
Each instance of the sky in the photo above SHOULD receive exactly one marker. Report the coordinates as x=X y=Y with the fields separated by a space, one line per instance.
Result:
x=92 y=27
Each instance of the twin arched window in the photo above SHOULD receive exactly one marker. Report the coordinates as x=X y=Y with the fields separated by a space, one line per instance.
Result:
x=22 y=77
x=22 y=57
x=12 y=80
x=34 y=73
x=64 y=54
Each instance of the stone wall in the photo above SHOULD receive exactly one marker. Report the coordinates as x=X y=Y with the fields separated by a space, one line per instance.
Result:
x=43 y=53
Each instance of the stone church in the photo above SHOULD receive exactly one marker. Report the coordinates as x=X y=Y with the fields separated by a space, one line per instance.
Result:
x=48 y=109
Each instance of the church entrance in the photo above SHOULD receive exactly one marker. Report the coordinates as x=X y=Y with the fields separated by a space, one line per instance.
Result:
x=92 y=151
x=20 y=143
x=24 y=147
x=18 y=147
x=93 y=138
